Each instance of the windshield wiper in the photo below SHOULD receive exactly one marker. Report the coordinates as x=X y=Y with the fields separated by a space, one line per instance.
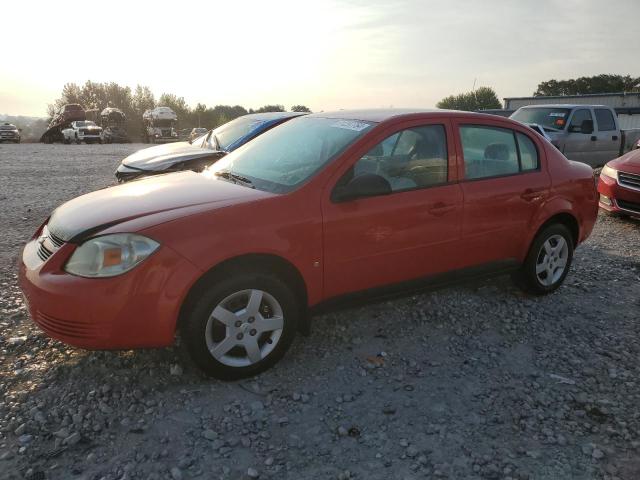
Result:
x=235 y=178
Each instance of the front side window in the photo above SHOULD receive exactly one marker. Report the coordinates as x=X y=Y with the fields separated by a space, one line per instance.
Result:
x=605 y=120
x=488 y=151
x=409 y=159
x=579 y=116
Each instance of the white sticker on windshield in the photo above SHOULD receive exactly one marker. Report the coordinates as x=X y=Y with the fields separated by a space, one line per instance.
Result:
x=557 y=114
x=350 y=125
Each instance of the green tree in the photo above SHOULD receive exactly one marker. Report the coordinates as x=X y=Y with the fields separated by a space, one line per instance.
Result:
x=142 y=100
x=483 y=98
x=270 y=108
x=603 y=83
x=300 y=108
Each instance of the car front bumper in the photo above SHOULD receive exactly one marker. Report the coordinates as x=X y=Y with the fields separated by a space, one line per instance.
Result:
x=616 y=198
x=137 y=309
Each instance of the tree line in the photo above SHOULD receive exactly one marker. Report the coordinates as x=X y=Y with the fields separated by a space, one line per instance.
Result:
x=95 y=95
x=485 y=98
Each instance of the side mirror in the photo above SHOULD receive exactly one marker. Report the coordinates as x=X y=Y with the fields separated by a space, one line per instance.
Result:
x=586 y=127
x=367 y=185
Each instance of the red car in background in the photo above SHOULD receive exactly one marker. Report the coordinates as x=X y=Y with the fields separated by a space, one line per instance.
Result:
x=321 y=207
x=619 y=185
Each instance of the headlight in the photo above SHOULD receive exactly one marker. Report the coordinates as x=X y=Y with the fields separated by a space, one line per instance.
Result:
x=110 y=255
x=609 y=172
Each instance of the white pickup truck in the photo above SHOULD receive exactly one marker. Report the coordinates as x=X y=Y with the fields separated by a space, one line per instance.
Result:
x=82 y=131
x=585 y=133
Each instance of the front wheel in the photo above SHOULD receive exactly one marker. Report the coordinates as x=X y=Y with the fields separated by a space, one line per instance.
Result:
x=548 y=261
x=241 y=325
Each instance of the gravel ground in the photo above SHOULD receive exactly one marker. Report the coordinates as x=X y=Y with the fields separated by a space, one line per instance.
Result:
x=471 y=382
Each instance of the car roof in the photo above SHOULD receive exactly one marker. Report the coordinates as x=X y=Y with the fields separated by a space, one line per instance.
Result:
x=563 y=105
x=272 y=115
x=384 y=114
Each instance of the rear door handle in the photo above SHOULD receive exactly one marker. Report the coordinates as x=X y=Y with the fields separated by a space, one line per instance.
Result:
x=615 y=137
x=594 y=138
x=440 y=209
x=531 y=194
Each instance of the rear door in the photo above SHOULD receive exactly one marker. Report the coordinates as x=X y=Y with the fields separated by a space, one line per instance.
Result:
x=607 y=145
x=411 y=232
x=580 y=146
x=504 y=181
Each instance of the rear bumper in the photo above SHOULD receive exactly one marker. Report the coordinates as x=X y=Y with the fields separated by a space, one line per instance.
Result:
x=615 y=198
x=137 y=309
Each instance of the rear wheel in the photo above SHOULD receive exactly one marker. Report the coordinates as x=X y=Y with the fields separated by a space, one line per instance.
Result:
x=548 y=261
x=241 y=325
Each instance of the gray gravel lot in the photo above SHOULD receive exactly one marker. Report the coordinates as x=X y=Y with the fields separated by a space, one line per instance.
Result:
x=470 y=382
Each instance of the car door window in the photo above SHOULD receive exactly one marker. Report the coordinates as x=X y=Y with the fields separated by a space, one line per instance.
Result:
x=605 y=120
x=579 y=116
x=488 y=151
x=409 y=159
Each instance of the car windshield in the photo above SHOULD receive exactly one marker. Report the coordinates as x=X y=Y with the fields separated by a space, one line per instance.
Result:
x=281 y=159
x=229 y=133
x=85 y=124
x=553 y=119
x=7 y=127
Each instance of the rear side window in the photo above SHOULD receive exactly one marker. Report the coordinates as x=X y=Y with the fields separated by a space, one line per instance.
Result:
x=605 y=120
x=495 y=152
x=488 y=152
x=528 y=153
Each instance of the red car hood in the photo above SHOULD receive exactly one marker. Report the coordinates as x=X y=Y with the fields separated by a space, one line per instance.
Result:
x=98 y=210
x=629 y=162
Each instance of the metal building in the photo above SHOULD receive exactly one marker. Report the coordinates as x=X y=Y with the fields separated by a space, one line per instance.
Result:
x=626 y=104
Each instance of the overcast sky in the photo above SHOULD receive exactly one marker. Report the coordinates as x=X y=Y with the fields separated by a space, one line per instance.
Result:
x=323 y=54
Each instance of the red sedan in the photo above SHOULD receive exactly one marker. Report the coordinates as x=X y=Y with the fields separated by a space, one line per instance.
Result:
x=619 y=185
x=319 y=208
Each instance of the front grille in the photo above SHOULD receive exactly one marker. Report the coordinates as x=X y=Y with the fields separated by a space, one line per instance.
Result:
x=57 y=241
x=48 y=244
x=44 y=253
x=629 y=180
x=165 y=133
x=631 y=206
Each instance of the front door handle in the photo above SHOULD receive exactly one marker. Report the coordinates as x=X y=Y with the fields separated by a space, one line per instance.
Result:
x=530 y=194
x=593 y=138
x=615 y=137
x=440 y=208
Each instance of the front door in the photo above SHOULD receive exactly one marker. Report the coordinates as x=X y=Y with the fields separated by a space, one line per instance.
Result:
x=580 y=146
x=406 y=234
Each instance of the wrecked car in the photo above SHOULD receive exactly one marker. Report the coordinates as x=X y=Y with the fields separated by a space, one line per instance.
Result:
x=201 y=152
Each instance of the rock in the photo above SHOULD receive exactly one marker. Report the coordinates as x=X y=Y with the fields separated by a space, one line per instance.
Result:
x=72 y=439
x=176 y=473
x=343 y=432
x=25 y=439
x=21 y=429
x=597 y=454
x=175 y=370
x=253 y=473
x=268 y=461
x=210 y=434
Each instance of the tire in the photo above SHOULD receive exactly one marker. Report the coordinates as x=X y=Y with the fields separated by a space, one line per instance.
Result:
x=203 y=331
x=548 y=261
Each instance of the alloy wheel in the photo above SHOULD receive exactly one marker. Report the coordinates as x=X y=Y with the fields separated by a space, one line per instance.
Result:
x=552 y=260
x=244 y=328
